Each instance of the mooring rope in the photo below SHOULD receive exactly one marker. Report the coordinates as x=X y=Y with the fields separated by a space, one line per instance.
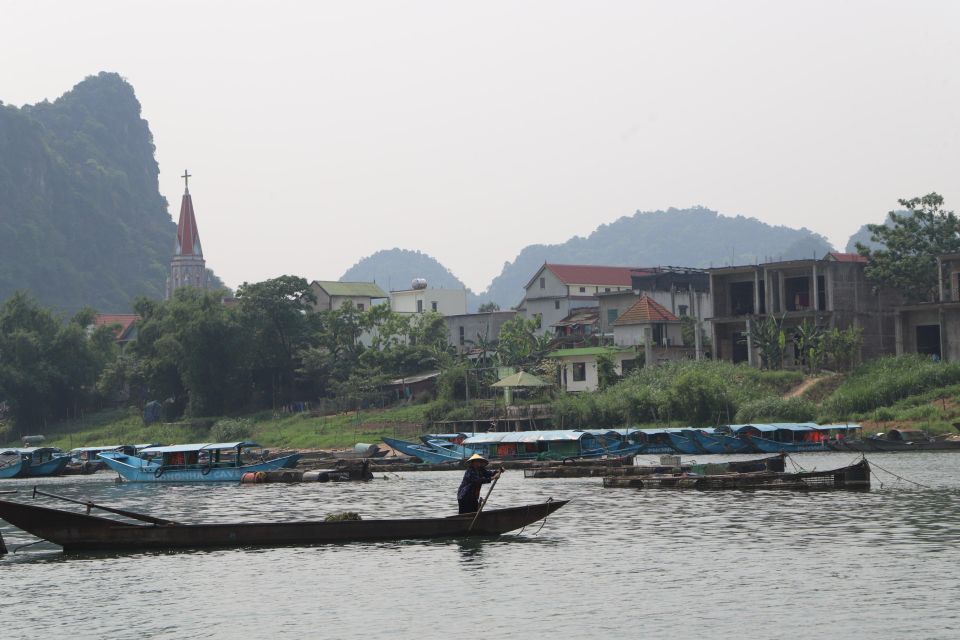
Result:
x=549 y=500
x=874 y=464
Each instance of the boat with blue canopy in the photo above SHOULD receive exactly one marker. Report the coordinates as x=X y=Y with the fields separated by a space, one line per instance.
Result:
x=719 y=440
x=203 y=462
x=793 y=437
x=43 y=461
x=431 y=450
x=13 y=464
x=551 y=444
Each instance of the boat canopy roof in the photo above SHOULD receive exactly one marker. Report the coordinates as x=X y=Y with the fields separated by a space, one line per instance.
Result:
x=524 y=436
x=793 y=426
x=106 y=447
x=210 y=446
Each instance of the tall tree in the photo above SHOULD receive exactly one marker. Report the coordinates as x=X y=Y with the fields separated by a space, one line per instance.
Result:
x=911 y=241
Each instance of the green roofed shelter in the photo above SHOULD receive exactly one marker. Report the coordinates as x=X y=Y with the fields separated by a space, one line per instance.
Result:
x=521 y=379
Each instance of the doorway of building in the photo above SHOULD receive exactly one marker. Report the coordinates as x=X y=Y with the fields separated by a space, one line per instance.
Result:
x=928 y=340
x=739 y=351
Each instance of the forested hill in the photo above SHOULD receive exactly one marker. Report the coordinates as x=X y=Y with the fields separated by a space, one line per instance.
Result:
x=396 y=268
x=694 y=237
x=82 y=221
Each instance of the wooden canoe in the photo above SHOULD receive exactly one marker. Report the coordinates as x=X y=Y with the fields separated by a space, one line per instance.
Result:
x=83 y=532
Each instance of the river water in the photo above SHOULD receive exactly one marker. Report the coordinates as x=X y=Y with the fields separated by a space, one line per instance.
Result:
x=612 y=563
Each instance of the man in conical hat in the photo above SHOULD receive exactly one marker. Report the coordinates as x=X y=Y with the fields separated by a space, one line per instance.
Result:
x=476 y=475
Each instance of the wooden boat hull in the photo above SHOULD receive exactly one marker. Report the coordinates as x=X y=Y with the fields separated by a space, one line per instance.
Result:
x=685 y=445
x=14 y=469
x=855 y=477
x=80 y=532
x=134 y=469
x=720 y=443
x=428 y=454
x=765 y=445
x=53 y=467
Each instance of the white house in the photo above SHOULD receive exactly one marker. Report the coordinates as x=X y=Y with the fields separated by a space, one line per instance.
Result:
x=578 y=367
x=446 y=302
x=332 y=294
x=556 y=289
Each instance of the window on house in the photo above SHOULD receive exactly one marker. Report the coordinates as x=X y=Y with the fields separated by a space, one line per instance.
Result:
x=539 y=318
x=683 y=310
x=543 y=283
x=462 y=337
x=606 y=290
x=360 y=306
x=583 y=289
x=556 y=304
x=419 y=306
x=433 y=306
x=579 y=371
x=612 y=314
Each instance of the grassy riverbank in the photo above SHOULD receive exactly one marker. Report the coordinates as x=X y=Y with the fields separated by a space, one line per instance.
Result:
x=909 y=392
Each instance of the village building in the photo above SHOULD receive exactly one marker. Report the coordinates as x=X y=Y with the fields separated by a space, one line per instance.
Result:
x=421 y=299
x=581 y=327
x=651 y=326
x=933 y=328
x=577 y=368
x=831 y=292
x=469 y=331
x=332 y=294
x=187 y=268
x=556 y=290
x=124 y=325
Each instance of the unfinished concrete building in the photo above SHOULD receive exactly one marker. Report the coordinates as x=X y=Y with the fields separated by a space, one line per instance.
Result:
x=832 y=292
x=933 y=328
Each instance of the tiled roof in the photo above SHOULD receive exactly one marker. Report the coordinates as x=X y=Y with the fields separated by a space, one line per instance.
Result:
x=591 y=274
x=351 y=289
x=188 y=238
x=125 y=320
x=581 y=315
x=845 y=257
x=644 y=311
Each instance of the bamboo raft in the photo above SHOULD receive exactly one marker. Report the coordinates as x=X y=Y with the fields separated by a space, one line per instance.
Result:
x=771 y=463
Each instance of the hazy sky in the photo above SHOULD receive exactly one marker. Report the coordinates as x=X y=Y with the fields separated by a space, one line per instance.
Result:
x=320 y=132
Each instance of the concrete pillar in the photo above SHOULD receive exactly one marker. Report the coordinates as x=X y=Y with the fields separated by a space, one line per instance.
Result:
x=647 y=347
x=898 y=332
x=749 y=344
x=816 y=289
x=783 y=294
x=768 y=292
x=697 y=327
x=756 y=291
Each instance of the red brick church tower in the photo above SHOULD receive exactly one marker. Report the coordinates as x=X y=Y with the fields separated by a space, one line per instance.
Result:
x=187 y=268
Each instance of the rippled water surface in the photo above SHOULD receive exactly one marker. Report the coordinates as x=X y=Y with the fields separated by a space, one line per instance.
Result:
x=612 y=563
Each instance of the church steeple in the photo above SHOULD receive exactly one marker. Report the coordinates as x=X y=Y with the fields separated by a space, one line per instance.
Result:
x=187 y=268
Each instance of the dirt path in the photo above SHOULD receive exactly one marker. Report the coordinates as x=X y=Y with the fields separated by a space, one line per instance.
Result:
x=801 y=388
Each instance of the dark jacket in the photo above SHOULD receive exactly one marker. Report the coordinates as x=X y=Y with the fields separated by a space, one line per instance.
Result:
x=473 y=479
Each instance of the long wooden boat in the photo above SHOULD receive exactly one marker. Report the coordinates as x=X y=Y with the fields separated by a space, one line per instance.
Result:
x=855 y=477
x=210 y=462
x=430 y=452
x=84 y=532
x=41 y=462
x=713 y=441
x=13 y=465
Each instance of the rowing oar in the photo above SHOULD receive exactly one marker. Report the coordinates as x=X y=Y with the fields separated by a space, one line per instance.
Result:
x=120 y=512
x=484 y=503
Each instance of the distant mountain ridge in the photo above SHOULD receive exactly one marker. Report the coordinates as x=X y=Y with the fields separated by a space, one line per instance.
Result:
x=695 y=237
x=82 y=221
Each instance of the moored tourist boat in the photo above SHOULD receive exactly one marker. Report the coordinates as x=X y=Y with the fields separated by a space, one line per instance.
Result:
x=13 y=464
x=855 y=477
x=430 y=451
x=772 y=463
x=555 y=444
x=84 y=532
x=794 y=437
x=204 y=462
x=720 y=440
x=43 y=461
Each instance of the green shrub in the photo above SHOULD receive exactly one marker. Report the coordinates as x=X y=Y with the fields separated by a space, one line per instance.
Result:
x=231 y=430
x=774 y=409
x=884 y=381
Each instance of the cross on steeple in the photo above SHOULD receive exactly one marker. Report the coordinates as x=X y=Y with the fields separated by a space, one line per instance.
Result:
x=186 y=181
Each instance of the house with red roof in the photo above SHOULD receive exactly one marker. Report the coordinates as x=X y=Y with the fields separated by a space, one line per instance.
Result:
x=124 y=325
x=557 y=289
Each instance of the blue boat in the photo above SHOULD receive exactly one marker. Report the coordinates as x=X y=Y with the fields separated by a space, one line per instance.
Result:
x=714 y=441
x=432 y=451
x=13 y=464
x=792 y=437
x=552 y=444
x=211 y=462
x=43 y=461
x=682 y=443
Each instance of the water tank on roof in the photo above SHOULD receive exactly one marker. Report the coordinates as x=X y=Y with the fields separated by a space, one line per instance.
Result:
x=419 y=283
